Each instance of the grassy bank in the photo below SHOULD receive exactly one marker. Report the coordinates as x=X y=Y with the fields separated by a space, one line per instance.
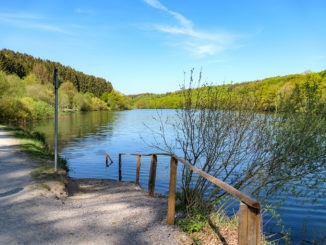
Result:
x=33 y=144
x=206 y=227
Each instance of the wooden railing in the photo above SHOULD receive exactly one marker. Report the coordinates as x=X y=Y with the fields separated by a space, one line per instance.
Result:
x=249 y=229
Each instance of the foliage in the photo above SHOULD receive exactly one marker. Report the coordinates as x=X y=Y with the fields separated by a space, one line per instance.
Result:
x=80 y=103
x=22 y=64
x=98 y=105
x=195 y=220
x=269 y=93
x=70 y=91
x=12 y=109
x=116 y=101
x=38 y=109
x=31 y=99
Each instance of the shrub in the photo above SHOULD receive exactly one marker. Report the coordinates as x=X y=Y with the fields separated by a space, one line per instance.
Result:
x=98 y=105
x=13 y=110
x=41 y=92
x=69 y=89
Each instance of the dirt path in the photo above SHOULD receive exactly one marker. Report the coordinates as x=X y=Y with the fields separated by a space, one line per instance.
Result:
x=100 y=212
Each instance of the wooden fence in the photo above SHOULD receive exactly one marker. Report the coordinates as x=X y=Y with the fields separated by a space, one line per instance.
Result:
x=250 y=228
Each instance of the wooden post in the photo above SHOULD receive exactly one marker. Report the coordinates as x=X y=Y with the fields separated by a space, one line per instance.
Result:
x=138 y=169
x=120 y=177
x=152 y=176
x=172 y=188
x=249 y=232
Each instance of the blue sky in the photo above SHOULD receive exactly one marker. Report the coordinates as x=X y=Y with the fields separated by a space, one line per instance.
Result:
x=147 y=45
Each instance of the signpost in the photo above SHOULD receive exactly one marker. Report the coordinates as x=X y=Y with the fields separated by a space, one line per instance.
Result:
x=56 y=121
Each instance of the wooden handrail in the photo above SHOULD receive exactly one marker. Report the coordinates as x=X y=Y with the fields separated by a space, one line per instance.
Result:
x=228 y=188
x=136 y=154
x=250 y=228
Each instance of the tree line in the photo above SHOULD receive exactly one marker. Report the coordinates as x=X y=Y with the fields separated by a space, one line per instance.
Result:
x=267 y=95
x=23 y=64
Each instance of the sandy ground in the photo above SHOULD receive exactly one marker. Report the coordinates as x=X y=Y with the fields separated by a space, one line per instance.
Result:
x=99 y=211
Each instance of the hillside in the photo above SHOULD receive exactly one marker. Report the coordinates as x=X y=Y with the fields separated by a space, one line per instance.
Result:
x=267 y=93
x=23 y=64
x=27 y=91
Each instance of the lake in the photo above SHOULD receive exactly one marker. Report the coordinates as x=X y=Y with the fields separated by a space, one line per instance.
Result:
x=85 y=137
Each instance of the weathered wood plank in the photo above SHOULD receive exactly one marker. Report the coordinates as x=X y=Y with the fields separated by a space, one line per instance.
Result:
x=243 y=224
x=152 y=175
x=172 y=188
x=138 y=169
x=249 y=232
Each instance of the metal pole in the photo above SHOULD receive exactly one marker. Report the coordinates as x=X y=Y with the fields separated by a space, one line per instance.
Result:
x=56 y=121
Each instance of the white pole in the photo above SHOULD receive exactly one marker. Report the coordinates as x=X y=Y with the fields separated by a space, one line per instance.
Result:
x=56 y=122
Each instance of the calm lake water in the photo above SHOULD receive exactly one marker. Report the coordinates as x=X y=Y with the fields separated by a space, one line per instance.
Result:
x=85 y=137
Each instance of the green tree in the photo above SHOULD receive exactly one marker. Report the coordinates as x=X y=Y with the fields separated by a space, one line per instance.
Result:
x=70 y=91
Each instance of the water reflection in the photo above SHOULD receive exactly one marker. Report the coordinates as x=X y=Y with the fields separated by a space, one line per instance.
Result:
x=76 y=126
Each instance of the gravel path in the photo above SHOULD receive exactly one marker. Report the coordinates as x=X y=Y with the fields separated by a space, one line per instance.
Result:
x=99 y=212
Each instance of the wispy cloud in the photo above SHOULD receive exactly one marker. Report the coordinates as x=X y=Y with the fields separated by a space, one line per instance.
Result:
x=31 y=21
x=19 y=16
x=200 y=43
x=155 y=4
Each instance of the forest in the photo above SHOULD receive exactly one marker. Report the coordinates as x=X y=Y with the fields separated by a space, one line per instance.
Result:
x=27 y=91
x=267 y=95
x=22 y=64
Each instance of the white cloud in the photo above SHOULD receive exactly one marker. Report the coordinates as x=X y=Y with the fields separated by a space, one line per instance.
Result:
x=155 y=4
x=200 y=43
x=31 y=21
x=206 y=49
x=19 y=16
x=183 y=21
